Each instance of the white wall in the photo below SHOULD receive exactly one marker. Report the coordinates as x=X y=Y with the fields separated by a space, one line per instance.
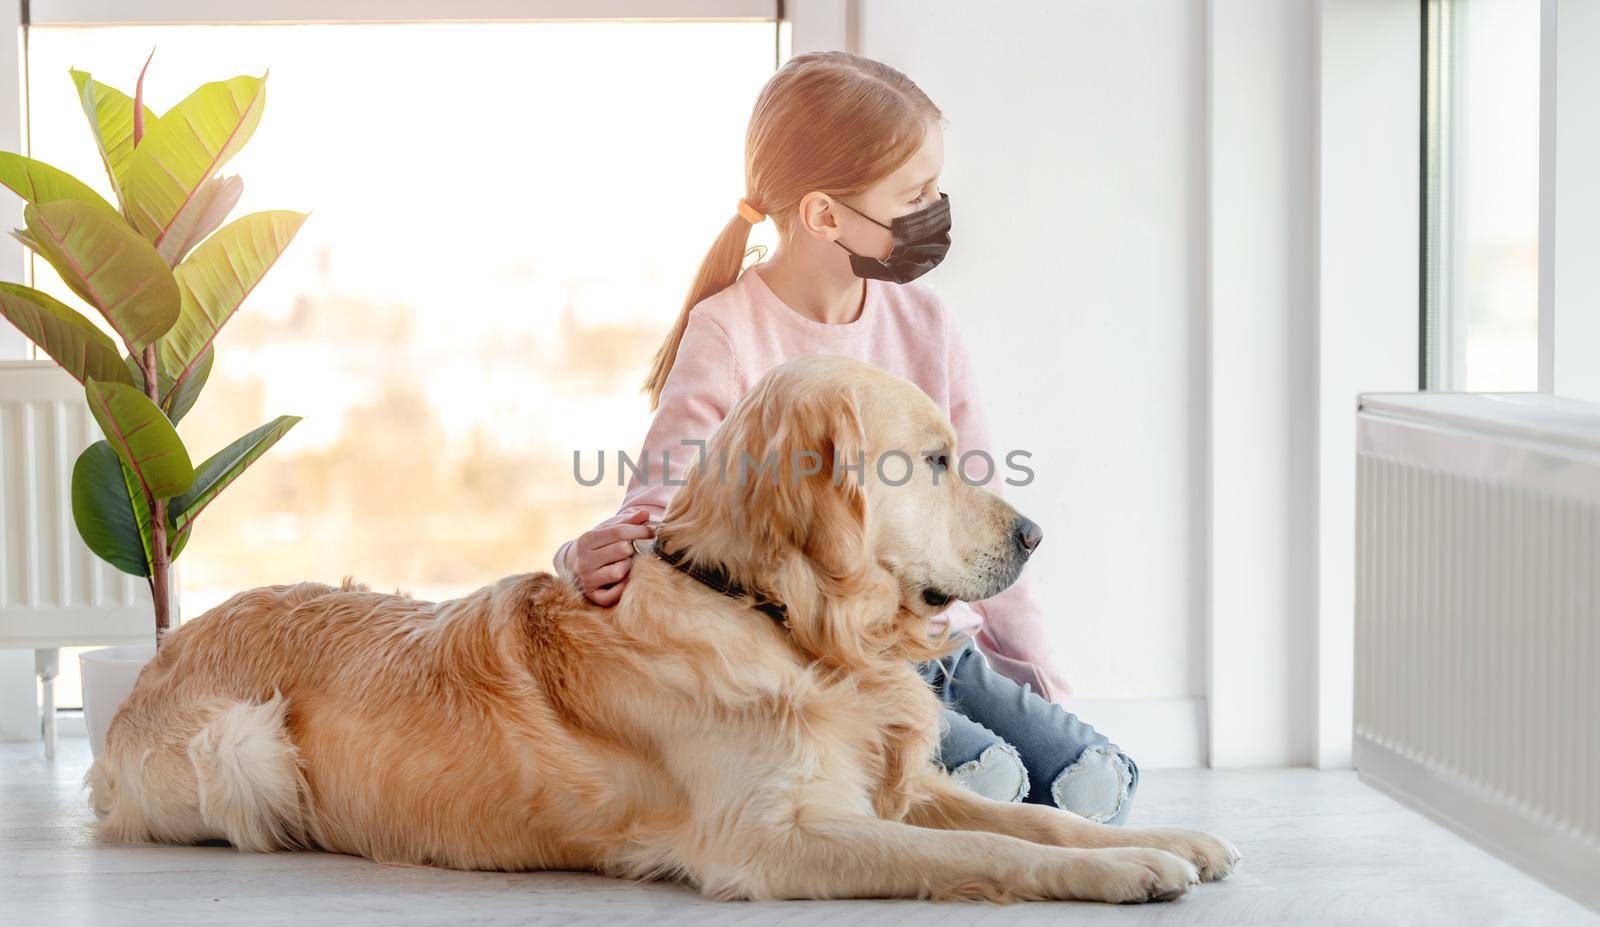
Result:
x=1369 y=87
x=1569 y=289
x=1075 y=168
x=1263 y=533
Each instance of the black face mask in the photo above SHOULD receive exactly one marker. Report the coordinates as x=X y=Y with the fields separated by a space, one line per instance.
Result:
x=921 y=239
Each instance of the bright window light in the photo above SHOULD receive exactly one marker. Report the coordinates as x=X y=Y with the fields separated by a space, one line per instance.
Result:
x=1483 y=221
x=504 y=221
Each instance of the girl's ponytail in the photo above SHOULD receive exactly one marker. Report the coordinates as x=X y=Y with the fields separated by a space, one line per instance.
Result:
x=827 y=121
x=718 y=271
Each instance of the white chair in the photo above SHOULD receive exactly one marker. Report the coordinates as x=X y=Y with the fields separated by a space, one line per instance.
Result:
x=54 y=592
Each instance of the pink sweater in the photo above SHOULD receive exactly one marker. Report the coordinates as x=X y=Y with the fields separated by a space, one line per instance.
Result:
x=735 y=336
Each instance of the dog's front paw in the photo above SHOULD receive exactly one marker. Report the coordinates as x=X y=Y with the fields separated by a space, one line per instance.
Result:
x=1134 y=875
x=1214 y=857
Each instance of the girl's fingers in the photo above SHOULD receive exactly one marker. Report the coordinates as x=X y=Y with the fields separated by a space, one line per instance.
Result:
x=607 y=574
x=623 y=532
x=611 y=553
x=607 y=596
x=605 y=555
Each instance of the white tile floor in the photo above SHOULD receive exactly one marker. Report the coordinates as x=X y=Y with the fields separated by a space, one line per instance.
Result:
x=1320 y=849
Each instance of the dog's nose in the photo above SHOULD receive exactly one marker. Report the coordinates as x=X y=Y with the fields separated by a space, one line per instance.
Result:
x=1028 y=534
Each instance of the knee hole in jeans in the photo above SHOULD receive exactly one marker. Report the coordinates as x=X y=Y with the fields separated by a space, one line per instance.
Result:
x=997 y=774
x=1096 y=786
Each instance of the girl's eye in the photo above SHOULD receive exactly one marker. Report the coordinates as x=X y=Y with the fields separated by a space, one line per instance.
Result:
x=920 y=197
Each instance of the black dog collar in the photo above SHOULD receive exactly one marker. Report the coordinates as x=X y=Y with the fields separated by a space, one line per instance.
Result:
x=716 y=578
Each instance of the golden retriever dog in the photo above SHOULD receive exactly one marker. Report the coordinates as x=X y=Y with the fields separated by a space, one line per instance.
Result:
x=747 y=720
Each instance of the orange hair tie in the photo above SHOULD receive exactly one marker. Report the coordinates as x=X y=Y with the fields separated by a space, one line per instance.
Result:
x=751 y=214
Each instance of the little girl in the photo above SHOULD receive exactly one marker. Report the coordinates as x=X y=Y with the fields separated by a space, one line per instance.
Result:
x=844 y=154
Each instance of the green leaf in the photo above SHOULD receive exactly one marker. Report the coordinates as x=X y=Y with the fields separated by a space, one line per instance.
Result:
x=140 y=506
x=103 y=510
x=185 y=148
x=72 y=340
x=176 y=398
x=135 y=371
x=215 y=280
x=110 y=113
x=139 y=111
x=176 y=541
x=141 y=510
x=109 y=265
x=223 y=468
x=143 y=437
x=200 y=217
x=38 y=182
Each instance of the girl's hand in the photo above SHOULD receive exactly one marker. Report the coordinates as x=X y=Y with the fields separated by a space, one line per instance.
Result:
x=600 y=558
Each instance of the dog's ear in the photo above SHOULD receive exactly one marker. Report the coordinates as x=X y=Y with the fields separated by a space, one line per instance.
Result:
x=783 y=474
x=817 y=505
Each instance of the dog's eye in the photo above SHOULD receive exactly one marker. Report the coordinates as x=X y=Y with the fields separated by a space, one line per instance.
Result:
x=939 y=462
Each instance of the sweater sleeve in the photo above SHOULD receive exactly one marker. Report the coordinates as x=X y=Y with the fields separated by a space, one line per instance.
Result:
x=1013 y=632
x=698 y=394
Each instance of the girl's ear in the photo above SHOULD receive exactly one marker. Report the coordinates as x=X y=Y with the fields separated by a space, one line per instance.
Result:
x=818 y=217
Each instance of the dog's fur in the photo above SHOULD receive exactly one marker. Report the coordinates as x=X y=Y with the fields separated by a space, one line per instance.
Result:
x=680 y=734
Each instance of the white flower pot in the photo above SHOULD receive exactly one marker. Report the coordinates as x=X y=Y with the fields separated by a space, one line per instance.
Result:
x=108 y=677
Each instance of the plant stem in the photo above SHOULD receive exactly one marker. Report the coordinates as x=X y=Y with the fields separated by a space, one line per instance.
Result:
x=160 y=567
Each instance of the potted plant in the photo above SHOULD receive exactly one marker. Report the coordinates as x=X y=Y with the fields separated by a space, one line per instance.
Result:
x=166 y=275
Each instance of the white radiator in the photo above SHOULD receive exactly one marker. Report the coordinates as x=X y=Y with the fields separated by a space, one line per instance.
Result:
x=1477 y=690
x=53 y=591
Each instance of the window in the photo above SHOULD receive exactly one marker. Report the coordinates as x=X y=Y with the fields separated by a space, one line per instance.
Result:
x=1481 y=188
x=505 y=219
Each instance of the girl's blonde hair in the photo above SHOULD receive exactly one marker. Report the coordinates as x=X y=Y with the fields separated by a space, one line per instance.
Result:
x=828 y=121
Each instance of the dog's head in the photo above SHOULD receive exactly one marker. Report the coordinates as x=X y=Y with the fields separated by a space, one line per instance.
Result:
x=832 y=486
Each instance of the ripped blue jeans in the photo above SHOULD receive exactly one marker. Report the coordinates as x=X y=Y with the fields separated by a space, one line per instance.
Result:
x=1004 y=741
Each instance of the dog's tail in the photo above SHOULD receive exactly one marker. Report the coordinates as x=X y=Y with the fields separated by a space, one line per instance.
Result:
x=248 y=775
